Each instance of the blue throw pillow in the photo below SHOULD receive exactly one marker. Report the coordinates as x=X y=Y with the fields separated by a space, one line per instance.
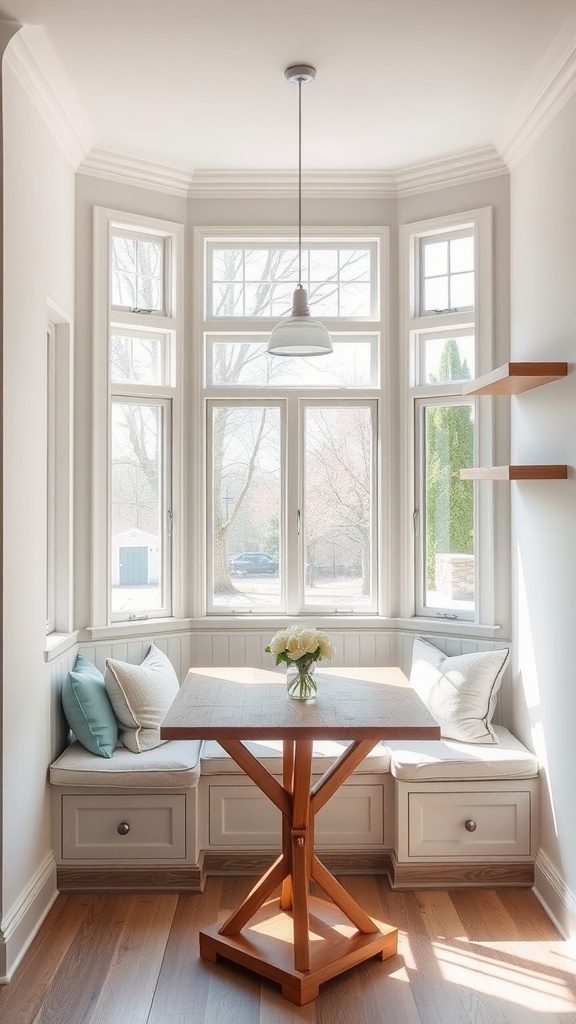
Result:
x=88 y=709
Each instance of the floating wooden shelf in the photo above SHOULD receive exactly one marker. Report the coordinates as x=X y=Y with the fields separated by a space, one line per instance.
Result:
x=515 y=473
x=512 y=378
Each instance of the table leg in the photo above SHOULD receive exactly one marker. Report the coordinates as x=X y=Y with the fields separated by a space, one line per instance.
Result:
x=300 y=830
x=288 y=783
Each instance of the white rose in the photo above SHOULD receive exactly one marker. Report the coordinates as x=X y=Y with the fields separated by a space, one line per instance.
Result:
x=278 y=642
x=327 y=649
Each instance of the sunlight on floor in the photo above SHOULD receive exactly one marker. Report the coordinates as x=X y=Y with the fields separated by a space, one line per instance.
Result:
x=514 y=972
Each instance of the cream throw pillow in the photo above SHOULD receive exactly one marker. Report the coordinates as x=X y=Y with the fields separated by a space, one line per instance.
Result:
x=141 y=696
x=460 y=692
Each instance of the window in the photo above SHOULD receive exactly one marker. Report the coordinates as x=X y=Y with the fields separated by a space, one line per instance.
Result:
x=137 y=364
x=448 y=332
x=291 y=472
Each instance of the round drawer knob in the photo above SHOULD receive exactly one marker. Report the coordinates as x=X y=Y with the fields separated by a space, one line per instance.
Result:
x=469 y=825
x=124 y=828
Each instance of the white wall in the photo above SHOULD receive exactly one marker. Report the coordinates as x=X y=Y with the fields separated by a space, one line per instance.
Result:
x=38 y=247
x=543 y=289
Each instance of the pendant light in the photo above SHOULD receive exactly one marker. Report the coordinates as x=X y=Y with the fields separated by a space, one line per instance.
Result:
x=299 y=335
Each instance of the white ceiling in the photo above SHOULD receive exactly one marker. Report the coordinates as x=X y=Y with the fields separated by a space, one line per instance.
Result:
x=199 y=84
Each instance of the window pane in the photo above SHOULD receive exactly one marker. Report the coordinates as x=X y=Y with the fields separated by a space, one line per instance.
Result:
x=245 y=362
x=124 y=254
x=338 y=490
x=124 y=290
x=436 y=293
x=461 y=254
x=323 y=265
x=323 y=299
x=354 y=265
x=246 y=505
x=447 y=359
x=138 y=358
x=136 y=486
x=462 y=290
x=228 y=300
x=449 y=508
x=435 y=259
x=355 y=299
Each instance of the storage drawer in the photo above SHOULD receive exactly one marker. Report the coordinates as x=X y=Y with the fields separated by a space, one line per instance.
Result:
x=469 y=824
x=241 y=816
x=149 y=827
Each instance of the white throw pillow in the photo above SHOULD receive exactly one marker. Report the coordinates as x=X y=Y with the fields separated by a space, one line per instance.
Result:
x=141 y=696
x=460 y=692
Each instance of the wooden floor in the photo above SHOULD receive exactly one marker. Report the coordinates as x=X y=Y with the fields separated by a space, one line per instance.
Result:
x=478 y=956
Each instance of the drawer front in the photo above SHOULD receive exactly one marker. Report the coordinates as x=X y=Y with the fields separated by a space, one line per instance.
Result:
x=498 y=824
x=241 y=816
x=124 y=828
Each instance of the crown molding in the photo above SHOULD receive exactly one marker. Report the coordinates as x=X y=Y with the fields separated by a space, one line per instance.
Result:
x=126 y=170
x=37 y=68
x=549 y=88
x=458 y=169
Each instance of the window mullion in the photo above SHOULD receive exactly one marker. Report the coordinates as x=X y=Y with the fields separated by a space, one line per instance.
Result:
x=293 y=505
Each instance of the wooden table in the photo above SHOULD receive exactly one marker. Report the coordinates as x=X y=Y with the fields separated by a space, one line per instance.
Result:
x=296 y=939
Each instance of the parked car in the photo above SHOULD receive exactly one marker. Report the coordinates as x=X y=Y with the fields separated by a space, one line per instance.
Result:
x=253 y=563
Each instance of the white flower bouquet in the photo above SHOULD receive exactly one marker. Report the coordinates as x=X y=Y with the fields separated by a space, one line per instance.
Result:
x=298 y=643
x=300 y=648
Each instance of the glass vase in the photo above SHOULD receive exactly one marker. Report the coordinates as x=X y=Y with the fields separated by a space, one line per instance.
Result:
x=300 y=681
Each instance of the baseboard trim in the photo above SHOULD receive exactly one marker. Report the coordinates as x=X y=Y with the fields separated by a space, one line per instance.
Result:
x=255 y=862
x=192 y=878
x=131 y=878
x=23 y=920
x=558 y=900
x=477 y=874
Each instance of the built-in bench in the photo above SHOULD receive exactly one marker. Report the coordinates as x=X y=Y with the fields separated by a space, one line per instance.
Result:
x=425 y=812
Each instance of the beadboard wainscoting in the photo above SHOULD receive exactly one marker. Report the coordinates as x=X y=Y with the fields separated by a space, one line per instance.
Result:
x=361 y=647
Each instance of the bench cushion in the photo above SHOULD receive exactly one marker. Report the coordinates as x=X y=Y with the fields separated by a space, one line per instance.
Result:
x=174 y=765
x=215 y=760
x=453 y=761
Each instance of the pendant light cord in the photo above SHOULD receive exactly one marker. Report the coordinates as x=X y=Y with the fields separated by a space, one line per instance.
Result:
x=300 y=182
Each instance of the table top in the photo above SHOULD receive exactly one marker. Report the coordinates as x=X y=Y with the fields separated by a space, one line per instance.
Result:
x=252 y=703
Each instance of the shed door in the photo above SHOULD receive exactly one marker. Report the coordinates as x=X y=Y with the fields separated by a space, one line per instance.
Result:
x=133 y=566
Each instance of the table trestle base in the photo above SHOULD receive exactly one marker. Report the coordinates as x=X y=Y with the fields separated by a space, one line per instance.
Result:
x=265 y=946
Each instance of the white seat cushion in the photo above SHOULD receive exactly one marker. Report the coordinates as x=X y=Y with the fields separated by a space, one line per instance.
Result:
x=174 y=765
x=215 y=760
x=453 y=761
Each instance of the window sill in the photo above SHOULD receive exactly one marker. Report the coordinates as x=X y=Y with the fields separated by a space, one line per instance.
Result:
x=252 y=623
x=58 y=643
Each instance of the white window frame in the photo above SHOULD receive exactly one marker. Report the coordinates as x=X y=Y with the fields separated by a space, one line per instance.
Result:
x=200 y=521
x=60 y=453
x=413 y=326
x=170 y=323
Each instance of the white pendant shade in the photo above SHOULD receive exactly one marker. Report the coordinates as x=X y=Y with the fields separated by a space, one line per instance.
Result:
x=300 y=335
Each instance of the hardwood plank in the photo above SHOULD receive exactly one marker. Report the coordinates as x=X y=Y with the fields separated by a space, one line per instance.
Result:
x=386 y=983
x=21 y=1000
x=128 y=988
x=82 y=973
x=455 y=958
x=182 y=990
